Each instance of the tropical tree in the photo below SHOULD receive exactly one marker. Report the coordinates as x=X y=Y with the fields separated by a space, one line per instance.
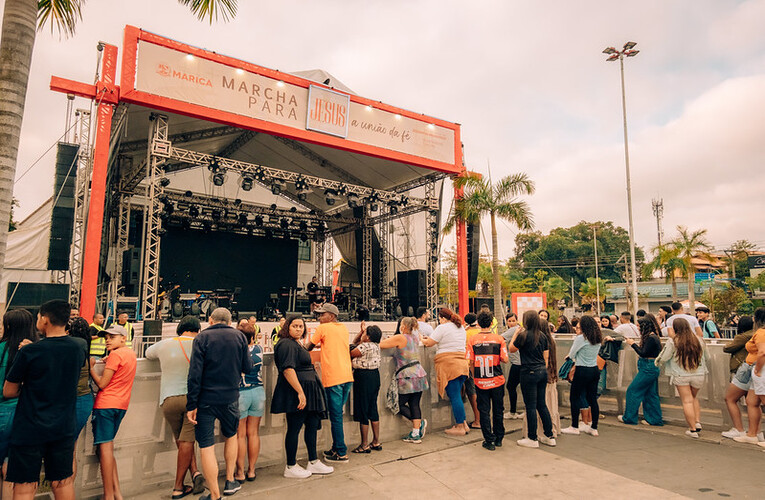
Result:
x=667 y=260
x=689 y=245
x=481 y=198
x=21 y=18
x=589 y=289
x=556 y=289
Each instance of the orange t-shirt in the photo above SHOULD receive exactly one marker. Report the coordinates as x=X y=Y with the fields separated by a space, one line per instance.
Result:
x=487 y=351
x=751 y=346
x=470 y=331
x=116 y=395
x=335 y=353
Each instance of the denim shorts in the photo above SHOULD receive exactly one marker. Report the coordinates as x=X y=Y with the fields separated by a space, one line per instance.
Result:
x=106 y=422
x=6 y=422
x=743 y=377
x=84 y=408
x=227 y=415
x=252 y=402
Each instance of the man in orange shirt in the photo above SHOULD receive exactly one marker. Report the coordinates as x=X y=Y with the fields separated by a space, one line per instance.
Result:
x=486 y=350
x=111 y=403
x=336 y=373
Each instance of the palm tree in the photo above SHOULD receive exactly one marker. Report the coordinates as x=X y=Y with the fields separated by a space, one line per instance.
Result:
x=666 y=259
x=21 y=18
x=588 y=290
x=495 y=200
x=689 y=245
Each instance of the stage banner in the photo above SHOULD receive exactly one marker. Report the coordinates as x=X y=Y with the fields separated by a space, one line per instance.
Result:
x=173 y=74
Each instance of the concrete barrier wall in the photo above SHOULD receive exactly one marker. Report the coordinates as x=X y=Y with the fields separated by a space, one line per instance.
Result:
x=145 y=449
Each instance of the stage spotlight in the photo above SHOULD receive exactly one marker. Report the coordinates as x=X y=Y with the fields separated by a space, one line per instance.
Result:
x=219 y=178
x=303 y=194
x=259 y=175
x=434 y=259
x=323 y=226
x=303 y=226
x=273 y=206
x=259 y=220
x=214 y=165
x=247 y=182
x=303 y=237
x=237 y=202
x=404 y=200
x=194 y=211
x=169 y=207
x=269 y=233
x=373 y=207
x=277 y=186
x=301 y=184
x=284 y=223
x=342 y=190
x=393 y=206
x=164 y=182
x=434 y=225
x=216 y=214
x=353 y=200
x=293 y=209
x=330 y=196
x=242 y=218
x=188 y=194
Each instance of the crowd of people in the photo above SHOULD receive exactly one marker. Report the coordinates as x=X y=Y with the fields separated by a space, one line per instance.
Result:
x=59 y=371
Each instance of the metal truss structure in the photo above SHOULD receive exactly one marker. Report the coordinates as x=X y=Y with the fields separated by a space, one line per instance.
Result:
x=366 y=264
x=383 y=234
x=431 y=244
x=318 y=260
x=153 y=220
x=81 y=197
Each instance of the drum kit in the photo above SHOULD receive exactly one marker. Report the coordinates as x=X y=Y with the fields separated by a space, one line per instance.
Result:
x=200 y=304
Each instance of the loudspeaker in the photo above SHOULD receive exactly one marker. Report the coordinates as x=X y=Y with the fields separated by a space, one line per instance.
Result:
x=152 y=328
x=473 y=251
x=412 y=289
x=62 y=214
x=32 y=295
x=131 y=271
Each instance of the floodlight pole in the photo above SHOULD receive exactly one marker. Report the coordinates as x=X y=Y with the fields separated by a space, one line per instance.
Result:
x=629 y=53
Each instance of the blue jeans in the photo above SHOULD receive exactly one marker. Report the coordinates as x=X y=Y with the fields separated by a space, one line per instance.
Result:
x=84 y=408
x=602 y=380
x=454 y=392
x=6 y=422
x=337 y=396
x=644 y=389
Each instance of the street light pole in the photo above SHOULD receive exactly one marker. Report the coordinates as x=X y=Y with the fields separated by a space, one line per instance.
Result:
x=597 y=276
x=614 y=54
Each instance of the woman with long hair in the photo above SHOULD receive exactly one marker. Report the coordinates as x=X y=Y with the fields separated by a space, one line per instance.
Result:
x=531 y=341
x=742 y=372
x=584 y=353
x=755 y=396
x=252 y=405
x=685 y=356
x=564 y=325
x=300 y=395
x=451 y=365
x=411 y=377
x=645 y=386
x=80 y=328
x=18 y=325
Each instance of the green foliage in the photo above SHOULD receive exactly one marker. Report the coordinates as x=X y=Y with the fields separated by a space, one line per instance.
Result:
x=725 y=302
x=570 y=253
x=757 y=283
x=588 y=290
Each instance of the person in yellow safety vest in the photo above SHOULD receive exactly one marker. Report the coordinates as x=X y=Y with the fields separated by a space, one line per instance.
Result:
x=122 y=320
x=494 y=323
x=275 y=331
x=98 y=340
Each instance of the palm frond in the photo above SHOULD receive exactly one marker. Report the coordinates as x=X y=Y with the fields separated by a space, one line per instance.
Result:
x=63 y=15
x=517 y=212
x=212 y=9
x=513 y=185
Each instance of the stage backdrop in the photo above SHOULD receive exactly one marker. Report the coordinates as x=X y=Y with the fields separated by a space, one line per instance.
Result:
x=207 y=261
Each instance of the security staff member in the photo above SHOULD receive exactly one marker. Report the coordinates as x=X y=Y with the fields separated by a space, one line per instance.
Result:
x=122 y=320
x=98 y=339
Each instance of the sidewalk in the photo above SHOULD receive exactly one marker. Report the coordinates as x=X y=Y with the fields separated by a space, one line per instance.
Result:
x=623 y=462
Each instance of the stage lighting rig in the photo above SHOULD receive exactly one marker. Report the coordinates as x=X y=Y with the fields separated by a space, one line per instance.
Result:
x=277 y=186
x=214 y=164
x=259 y=175
x=302 y=195
x=330 y=196
x=242 y=218
x=372 y=200
x=284 y=223
x=247 y=183
x=216 y=214
x=353 y=200
x=303 y=226
x=219 y=177
x=303 y=237
x=259 y=220
x=164 y=182
x=301 y=183
x=194 y=211
x=393 y=206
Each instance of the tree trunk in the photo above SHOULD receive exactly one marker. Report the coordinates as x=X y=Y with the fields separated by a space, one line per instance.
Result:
x=499 y=304
x=691 y=289
x=674 y=288
x=18 y=39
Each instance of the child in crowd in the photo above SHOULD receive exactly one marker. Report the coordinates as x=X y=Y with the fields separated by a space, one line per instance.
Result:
x=44 y=377
x=115 y=384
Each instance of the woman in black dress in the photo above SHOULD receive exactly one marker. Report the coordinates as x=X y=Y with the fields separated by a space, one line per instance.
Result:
x=300 y=395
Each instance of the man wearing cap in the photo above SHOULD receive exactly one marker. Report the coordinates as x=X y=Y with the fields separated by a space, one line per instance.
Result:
x=111 y=404
x=708 y=327
x=336 y=374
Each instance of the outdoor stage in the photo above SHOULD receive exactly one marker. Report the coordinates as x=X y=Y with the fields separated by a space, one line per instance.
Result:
x=216 y=174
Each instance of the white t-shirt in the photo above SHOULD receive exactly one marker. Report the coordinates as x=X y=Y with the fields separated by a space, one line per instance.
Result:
x=450 y=338
x=628 y=330
x=425 y=329
x=687 y=317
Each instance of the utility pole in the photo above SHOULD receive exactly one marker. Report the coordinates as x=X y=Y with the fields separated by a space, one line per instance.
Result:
x=597 y=276
x=658 y=212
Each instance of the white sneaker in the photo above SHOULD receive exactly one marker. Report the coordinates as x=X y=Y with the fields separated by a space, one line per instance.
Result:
x=591 y=431
x=570 y=430
x=546 y=440
x=508 y=415
x=760 y=437
x=698 y=426
x=745 y=438
x=732 y=433
x=691 y=433
x=620 y=418
x=528 y=443
x=319 y=467
x=519 y=416
x=296 y=472
x=584 y=427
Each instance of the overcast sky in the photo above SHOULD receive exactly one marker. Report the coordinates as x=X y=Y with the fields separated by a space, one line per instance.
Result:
x=526 y=80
